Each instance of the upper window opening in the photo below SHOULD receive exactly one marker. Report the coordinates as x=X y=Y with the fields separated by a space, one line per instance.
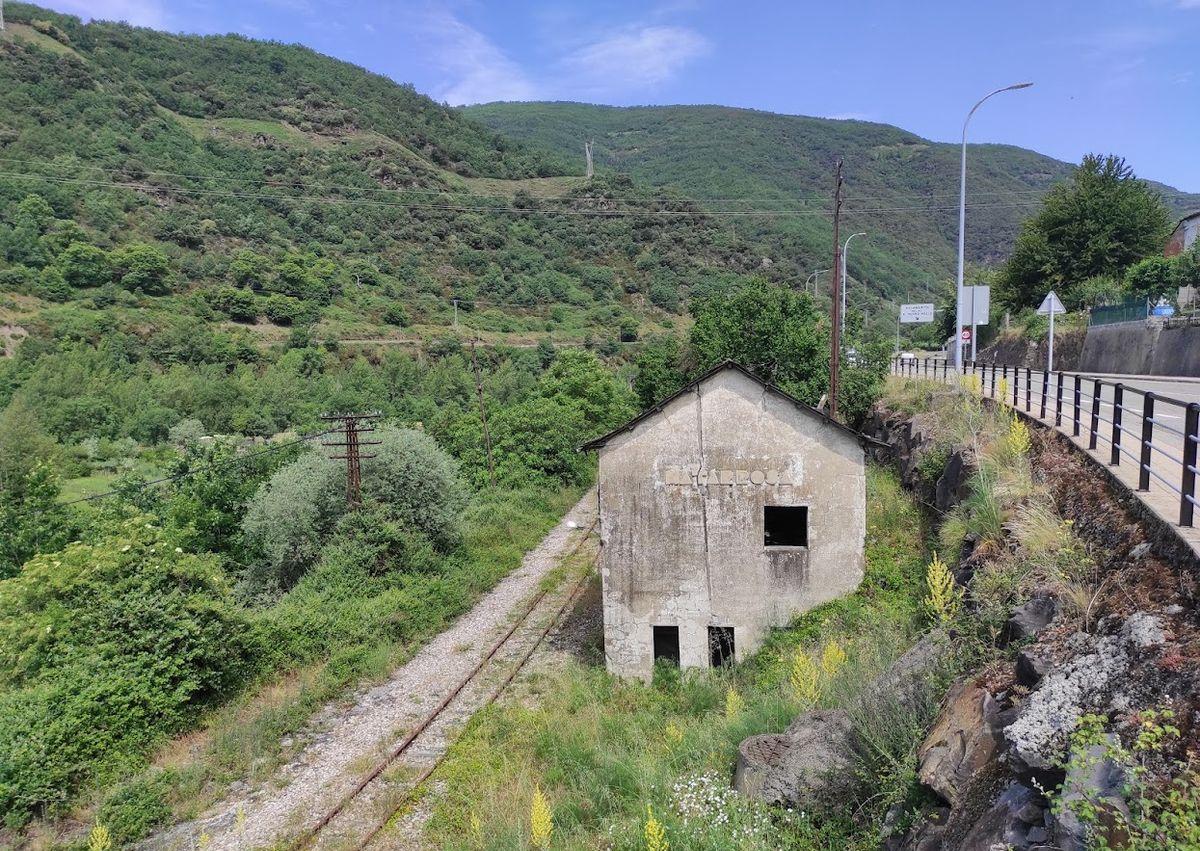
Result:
x=785 y=526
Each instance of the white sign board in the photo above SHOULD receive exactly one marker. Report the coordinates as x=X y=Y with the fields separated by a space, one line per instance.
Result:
x=1051 y=305
x=912 y=314
x=975 y=306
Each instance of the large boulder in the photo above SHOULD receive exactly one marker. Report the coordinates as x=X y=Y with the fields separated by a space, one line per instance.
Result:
x=808 y=765
x=812 y=760
x=954 y=484
x=1017 y=821
x=965 y=739
x=1030 y=618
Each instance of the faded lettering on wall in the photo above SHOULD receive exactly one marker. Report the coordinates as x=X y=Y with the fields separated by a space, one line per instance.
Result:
x=680 y=476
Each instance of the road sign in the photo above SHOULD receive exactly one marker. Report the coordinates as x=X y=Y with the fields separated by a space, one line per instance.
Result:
x=975 y=306
x=966 y=335
x=915 y=314
x=1051 y=305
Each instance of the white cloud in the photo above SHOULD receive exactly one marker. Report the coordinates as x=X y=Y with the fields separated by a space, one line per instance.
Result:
x=481 y=70
x=143 y=13
x=637 y=57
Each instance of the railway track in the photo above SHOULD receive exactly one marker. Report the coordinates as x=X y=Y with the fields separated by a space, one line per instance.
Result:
x=363 y=814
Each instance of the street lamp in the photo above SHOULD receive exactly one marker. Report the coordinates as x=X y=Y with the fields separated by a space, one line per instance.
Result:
x=845 y=248
x=810 y=280
x=962 y=221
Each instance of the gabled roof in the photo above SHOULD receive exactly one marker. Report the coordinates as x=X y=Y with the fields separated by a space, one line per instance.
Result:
x=1187 y=217
x=599 y=442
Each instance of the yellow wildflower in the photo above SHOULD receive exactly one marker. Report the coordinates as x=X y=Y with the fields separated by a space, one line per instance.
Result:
x=656 y=834
x=541 y=820
x=832 y=658
x=943 y=599
x=99 y=839
x=805 y=678
x=734 y=703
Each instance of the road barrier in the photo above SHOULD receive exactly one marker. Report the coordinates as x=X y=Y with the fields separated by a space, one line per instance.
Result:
x=1081 y=401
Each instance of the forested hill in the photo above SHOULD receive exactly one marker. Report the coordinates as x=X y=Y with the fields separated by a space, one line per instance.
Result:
x=149 y=180
x=901 y=189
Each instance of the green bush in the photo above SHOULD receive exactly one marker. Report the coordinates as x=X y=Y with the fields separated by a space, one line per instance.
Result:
x=107 y=647
x=294 y=513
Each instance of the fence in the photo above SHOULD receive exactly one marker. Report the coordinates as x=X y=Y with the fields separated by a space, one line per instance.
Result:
x=1082 y=402
x=1130 y=310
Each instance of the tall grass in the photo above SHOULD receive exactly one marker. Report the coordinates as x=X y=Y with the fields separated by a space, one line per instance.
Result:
x=604 y=750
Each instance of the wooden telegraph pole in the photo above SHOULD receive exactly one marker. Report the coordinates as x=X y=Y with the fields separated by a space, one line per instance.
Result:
x=353 y=457
x=835 y=355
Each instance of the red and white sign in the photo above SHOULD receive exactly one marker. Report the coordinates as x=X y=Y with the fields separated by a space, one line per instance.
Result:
x=966 y=335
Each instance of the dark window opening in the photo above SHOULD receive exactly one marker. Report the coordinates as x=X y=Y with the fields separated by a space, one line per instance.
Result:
x=666 y=644
x=785 y=526
x=720 y=646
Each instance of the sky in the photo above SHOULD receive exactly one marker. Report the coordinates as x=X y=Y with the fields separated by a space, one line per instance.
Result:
x=1110 y=76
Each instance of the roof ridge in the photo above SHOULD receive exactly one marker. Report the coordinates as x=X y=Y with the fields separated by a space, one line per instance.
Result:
x=600 y=442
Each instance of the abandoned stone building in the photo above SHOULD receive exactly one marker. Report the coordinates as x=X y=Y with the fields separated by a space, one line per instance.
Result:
x=725 y=510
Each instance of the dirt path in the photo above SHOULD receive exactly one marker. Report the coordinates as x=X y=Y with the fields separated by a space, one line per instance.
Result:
x=340 y=751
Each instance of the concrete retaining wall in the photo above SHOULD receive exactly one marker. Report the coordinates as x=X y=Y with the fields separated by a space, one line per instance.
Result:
x=1141 y=348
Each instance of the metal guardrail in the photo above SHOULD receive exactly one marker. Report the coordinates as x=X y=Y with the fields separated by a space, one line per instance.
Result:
x=1081 y=401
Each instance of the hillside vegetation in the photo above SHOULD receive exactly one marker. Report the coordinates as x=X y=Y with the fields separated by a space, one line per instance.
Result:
x=901 y=189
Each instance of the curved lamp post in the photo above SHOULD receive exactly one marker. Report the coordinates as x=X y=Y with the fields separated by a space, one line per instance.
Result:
x=845 y=248
x=810 y=280
x=962 y=221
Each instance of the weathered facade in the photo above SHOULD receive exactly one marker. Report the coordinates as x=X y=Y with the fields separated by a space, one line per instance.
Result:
x=1184 y=236
x=724 y=511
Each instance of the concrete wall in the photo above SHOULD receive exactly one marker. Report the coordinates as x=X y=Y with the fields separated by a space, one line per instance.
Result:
x=1141 y=348
x=681 y=520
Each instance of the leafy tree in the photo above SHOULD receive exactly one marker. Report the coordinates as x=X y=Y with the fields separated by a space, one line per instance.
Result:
x=84 y=265
x=1100 y=222
x=658 y=371
x=32 y=518
x=538 y=440
x=139 y=266
x=773 y=331
x=1152 y=278
x=578 y=379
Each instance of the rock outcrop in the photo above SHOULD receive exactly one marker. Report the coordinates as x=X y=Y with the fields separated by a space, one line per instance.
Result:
x=808 y=765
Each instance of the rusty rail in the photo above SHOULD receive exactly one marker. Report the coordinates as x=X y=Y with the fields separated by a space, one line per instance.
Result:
x=307 y=837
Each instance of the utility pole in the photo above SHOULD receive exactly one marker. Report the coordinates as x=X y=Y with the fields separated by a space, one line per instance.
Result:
x=835 y=356
x=353 y=457
x=455 y=312
x=1 y=15
x=587 y=150
x=487 y=436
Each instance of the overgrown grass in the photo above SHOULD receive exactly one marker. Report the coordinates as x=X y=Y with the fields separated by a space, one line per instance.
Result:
x=603 y=749
x=336 y=629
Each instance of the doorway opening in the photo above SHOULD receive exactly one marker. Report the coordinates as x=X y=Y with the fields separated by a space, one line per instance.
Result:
x=666 y=644
x=720 y=646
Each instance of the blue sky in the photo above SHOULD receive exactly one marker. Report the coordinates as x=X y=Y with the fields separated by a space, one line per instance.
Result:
x=1117 y=76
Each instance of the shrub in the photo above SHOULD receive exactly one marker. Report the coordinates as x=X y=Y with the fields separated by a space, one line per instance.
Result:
x=108 y=647
x=293 y=514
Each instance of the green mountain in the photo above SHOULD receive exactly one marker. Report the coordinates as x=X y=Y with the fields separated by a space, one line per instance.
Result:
x=264 y=187
x=901 y=189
